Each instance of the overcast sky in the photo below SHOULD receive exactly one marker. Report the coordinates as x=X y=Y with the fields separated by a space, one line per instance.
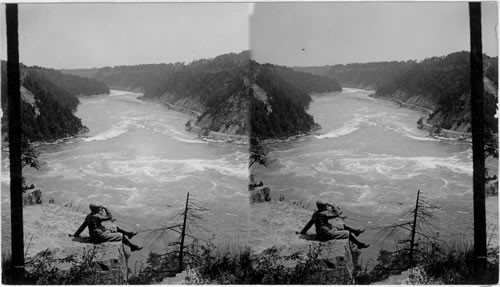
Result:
x=96 y=35
x=306 y=34
x=294 y=34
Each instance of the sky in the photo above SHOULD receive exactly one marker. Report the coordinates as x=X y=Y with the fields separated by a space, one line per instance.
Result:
x=317 y=34
x=97 y=35
x=292 y=34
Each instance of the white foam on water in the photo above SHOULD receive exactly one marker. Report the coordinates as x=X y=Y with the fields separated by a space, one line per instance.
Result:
x=422 y=138
x=175 y=169
x=348 y=128
x=121 y=93
x=355 y=124
x=58 y=169
x=193 y=141
x=111 y=133
x=397 y=167
x=354 y=90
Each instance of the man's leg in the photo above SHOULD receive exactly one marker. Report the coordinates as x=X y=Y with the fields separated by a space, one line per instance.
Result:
x=358 y=243
x=335 y=234
x=132 y=246
x=356 y=232
x=126 y=233
x=118 y=236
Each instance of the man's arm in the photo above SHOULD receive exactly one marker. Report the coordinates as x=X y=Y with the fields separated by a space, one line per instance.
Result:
x=81 y=229
x=307 y=227
x=102 y=217
x=336 y=209
x=334 y=212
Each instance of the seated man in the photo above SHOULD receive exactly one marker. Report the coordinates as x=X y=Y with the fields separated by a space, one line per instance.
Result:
x=99 y=233
x=326 y=231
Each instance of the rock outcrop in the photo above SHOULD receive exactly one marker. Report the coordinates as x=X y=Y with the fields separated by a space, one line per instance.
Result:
x=273 y=229
x=48 y=247
x=260 y=194
x=32 y=197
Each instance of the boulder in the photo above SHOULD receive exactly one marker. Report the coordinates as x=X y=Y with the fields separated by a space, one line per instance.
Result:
x=260 y=194
x=32 y=197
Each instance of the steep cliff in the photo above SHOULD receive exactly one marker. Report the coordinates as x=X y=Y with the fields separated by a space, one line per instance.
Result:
x=442 y=84
x=49 y=99
x=438 y=84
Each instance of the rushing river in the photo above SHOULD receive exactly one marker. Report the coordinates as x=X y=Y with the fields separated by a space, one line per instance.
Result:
x=369 y=158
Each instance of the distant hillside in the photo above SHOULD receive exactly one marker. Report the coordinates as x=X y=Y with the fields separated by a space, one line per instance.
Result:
x=48 y=100
x=362 y=75
x=224 y=89
x=73 y=84
x=442 y=84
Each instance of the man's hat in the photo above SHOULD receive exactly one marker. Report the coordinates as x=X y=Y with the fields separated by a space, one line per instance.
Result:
x=93 y=206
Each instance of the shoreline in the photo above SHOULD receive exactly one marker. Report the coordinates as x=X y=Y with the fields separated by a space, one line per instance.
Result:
x=202 y=133
x=434 y=132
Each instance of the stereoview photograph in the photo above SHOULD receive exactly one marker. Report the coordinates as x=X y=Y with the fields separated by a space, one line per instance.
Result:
x=249 y=143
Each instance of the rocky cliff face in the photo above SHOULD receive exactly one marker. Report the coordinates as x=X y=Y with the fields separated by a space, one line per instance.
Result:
x=442 y=84
x=49 y=100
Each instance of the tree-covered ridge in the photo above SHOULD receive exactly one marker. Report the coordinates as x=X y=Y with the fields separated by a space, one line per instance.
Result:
x=308 y=83
x=220 y=89
x=48 y=100
x=286 y=116
x=74 y=85
x=443 y=83
x=368 y=75
x=362 y=75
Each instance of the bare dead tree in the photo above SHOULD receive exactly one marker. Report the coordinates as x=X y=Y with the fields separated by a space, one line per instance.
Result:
x=418 y=224
x=189 y=229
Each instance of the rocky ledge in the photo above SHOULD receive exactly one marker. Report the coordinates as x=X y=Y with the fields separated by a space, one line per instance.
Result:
x=273 y=230
x=52 y=255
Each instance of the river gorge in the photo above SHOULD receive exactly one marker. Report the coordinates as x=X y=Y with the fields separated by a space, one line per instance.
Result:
x=369 y=158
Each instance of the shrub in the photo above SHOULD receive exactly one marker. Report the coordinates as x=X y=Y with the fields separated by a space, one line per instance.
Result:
x=234 y=263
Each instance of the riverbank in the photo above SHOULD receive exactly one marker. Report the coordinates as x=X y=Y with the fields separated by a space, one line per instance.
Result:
x=203 y=134
x=436 y=132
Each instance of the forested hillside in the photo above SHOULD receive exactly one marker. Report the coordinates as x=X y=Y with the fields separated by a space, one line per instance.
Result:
x=48 y=101
x=362 y=75
x=443 y=85
x=223 y=89
x=74 y=85
x=278 y=107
